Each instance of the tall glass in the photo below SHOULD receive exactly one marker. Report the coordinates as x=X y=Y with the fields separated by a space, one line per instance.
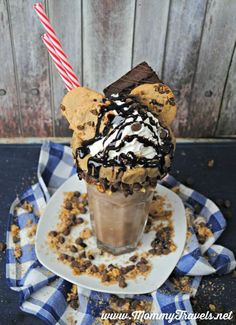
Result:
x=118 y=222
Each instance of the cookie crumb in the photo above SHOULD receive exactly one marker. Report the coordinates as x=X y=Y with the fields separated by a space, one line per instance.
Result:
x=17 y=251
x=85 y=233
x=210 y=163
x=27 y=206
x=212 y=307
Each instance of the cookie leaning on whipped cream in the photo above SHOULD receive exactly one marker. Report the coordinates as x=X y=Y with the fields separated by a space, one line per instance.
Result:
x=124 y=142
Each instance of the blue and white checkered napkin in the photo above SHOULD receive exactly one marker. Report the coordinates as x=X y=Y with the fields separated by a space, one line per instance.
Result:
x=44 y=294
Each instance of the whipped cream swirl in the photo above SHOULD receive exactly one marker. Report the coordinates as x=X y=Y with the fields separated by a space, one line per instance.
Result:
x=127 y=135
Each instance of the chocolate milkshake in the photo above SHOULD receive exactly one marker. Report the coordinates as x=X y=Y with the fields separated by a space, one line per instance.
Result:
x=122 y=144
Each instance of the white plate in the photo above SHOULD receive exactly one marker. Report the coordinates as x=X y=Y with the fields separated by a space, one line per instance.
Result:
x=162 y=266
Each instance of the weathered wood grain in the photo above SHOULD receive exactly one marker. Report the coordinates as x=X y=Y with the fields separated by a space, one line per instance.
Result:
x=227 y=119
x=191 y=41
x=65 y=16
x=9 y=109
x=150 y=33
x=214 y=59
x=32 y=69
x=107 y=40
x=185 y=24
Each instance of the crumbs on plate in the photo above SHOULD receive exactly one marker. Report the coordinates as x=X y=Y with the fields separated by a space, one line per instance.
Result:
x=76 y=252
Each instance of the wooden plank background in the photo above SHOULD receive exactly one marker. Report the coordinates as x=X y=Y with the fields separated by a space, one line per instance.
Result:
x=190 y=43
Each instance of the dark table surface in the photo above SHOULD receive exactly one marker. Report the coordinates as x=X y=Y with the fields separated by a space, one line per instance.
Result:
x=18 y=167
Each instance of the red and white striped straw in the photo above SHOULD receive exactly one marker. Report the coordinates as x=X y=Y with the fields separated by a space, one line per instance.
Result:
x=56 y=44
x=56 y=60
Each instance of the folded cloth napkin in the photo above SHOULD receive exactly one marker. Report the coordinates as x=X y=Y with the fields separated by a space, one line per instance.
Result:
x=44 y=294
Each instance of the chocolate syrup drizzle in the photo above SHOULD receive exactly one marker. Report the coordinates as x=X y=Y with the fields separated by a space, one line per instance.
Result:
x=118 y=123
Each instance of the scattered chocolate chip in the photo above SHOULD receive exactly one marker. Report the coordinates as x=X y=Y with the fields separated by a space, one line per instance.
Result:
x=82 y=255
x=125 y=187
x=155 y=242
x=62 y=107
x=166 y=230
x=79 y=221
x=90 y=257
x=53 y=233
x=90 y=123
x=142 y=267
x=79 y=241
x=68 y=205
x=63 y=257
x=74 y=304
x=72 y=218
x=75 y=264
x=120 y=302
x=67 y=257
x=113 y=188
x=70 y=223
x=3 y=246
x=73 y=249
x=133 y=258
x=129 y=268
x=83 y=245
x=94 y=269
x=136 y=126
x=77 y=194
x=159 y=89
x=143 y=260
x=121 y=282
x=159 y=250
x=87 y=263
x=83 y=268
x=123 y=270
x=61 y=239
x=171 y=101
x=70 y=258
x=15 y=239
x=166 y=251
x=83 y=210
x=66 y=232
x=105 y=277
x=134 y=304
x=80 y=127
x=113 y=299
x=153 y=102
x=104 y=183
